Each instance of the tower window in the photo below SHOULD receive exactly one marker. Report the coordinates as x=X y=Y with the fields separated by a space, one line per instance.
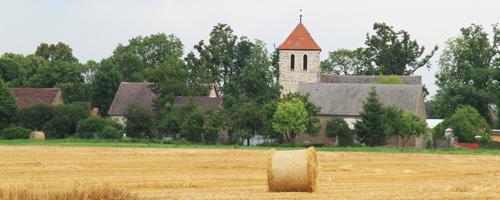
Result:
x=292 y=62
x=305 y=62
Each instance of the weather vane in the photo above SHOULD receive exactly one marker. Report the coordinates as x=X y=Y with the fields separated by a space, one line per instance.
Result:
x=300 y=16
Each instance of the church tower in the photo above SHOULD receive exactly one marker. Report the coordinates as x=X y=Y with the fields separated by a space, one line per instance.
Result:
x=298 y=60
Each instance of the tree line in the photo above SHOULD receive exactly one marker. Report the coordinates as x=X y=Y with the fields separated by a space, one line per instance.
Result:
x=247 y=77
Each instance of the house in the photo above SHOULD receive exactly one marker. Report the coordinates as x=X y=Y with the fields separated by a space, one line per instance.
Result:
x=340 y=96
x=30 y=96
x=141 y=93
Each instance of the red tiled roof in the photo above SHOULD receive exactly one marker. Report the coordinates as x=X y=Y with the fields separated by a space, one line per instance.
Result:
x=30 y=96
x=129 y=92
x=299 y=39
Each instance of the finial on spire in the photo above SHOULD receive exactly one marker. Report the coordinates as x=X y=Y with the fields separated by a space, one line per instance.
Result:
x=300 y=16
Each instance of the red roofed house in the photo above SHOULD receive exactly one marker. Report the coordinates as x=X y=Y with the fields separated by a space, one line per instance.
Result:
x=30 y=96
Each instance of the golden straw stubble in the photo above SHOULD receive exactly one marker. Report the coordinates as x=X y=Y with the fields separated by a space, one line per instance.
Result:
x=292 y=171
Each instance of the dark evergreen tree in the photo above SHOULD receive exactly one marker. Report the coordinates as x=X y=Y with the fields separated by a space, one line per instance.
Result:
x=8 y=105
x=370 y=129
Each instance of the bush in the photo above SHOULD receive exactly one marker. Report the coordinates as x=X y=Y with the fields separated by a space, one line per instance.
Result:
x=392 y=79
x=66 y=117
x=139 y=122
x=15 y=132
x=8 y=105
x=337 y=127
x=34 y=117
x=95 y=127
x=466 y=123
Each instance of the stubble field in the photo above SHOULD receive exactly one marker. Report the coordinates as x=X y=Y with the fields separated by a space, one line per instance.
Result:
x=163 y=173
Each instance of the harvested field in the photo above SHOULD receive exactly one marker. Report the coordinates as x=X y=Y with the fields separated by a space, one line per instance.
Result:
x=241 y=174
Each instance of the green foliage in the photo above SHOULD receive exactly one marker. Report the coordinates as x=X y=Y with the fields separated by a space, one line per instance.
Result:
x=392 y=79
x=290 y=119
x=343 y=62
x=192 y=126
x=403 y=124
x=139 y=121
x=57 y=72
x=212 y=126
x=337 y=127
x=15 y=132
x=65 y=119
x=55 y=52
x=313 y=124
x=145 y=52
x=466 y=123
x=393 y=52
x=96 y=127
x=105 y=83
x=75 y=92
x=469 y=73
x=371 y=127
x=35 y=117
x=8 y=105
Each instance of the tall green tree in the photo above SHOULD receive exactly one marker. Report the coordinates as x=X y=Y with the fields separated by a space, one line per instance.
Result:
x=8 y=105
x=105 y=83
x=370 y=129
x=56 y=52
x=142 y=53
x=313 y=125
x=391 y=52
x=290 y=119
x=469 y=72
x=344 y=62
x=403 y=124
x=139 y=122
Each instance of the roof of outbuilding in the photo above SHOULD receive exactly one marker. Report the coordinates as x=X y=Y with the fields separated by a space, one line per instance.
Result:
x=129 y=92
x=30 y=96
x=347 y=99
x=410 y=80
x=202 y=101
x=299 y=39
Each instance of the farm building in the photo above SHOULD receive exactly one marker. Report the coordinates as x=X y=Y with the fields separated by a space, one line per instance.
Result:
x=341 y=96
x=30 y=96
x=141 y=93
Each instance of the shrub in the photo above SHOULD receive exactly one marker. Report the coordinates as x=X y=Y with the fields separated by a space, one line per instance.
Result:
x=466 y=123
x=66 y=117
x=337 y=127
x=8 y=105
x=96 y=127
x=15 y=132
x=392 y=79
x=34 y=117
x=371 y=129
x=192 y=126
x=139 y=122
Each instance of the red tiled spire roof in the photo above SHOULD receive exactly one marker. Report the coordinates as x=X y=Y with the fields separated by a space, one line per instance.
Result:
x=299 y=39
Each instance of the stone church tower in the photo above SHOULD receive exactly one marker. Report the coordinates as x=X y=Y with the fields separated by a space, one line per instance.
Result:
x=298 y=60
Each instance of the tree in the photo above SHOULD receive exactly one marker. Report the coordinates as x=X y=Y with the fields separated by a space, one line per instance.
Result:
x=290 y=119
x=337 y=127
x=65 y=119
x=139 y=121
x=313 y=125
x=56 y=52
x=8 y=105
x=370 y=129
x=192 y=126
x=57 y=72
x=145 y=52
x=344 y=62
x=466 y=123
x=469 y=73
x=403 y=124
x=35 y=117
x=105 y=83
x=393 y=53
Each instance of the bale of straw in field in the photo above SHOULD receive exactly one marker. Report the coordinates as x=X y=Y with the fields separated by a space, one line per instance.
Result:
x=37 y=135
x=292 y=171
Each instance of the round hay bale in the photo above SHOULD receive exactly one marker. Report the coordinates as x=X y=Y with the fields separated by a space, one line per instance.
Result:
x=292 y=171
x=37 y=135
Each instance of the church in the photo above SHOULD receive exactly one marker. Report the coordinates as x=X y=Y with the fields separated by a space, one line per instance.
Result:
x=337 y=95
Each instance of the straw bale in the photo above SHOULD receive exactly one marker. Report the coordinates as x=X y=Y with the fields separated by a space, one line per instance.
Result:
x=37 y=135
x=292 y=171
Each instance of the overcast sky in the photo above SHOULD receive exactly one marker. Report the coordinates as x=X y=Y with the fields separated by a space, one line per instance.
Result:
x=93 y=28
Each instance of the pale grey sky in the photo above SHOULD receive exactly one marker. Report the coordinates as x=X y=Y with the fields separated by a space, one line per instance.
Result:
x=93 y=28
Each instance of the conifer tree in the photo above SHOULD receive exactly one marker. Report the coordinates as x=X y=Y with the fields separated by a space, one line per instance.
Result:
x=8 y=105
x=370 y=129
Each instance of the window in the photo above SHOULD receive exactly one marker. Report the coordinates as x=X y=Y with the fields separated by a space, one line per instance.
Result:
x=305 y=62
x=292 y=62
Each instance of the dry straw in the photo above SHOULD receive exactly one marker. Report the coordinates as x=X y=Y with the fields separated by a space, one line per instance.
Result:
x=37 y=135
x=292 y=171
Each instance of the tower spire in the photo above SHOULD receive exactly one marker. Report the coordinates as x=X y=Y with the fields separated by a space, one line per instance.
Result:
x=300 y=16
